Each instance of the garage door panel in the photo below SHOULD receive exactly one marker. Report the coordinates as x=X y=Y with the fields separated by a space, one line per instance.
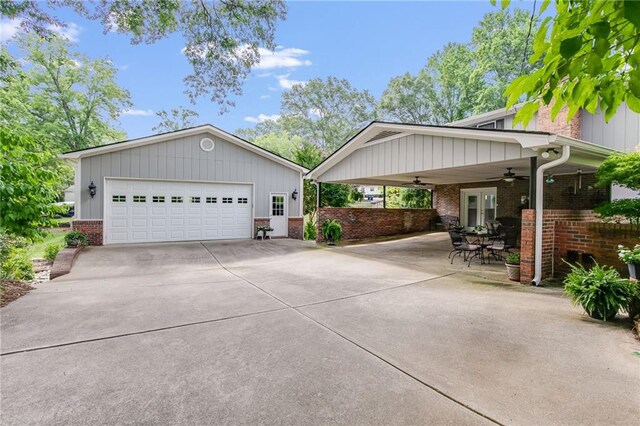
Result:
x=148 y=211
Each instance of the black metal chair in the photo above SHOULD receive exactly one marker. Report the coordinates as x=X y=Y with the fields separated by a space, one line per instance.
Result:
x=449 y=222
x=507 y=240
x=467 y=249
x=456 y=241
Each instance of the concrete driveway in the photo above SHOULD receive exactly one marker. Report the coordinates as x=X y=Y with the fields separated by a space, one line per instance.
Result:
x=286 y=332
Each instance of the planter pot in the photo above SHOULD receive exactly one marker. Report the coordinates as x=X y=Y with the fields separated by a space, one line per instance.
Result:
x=634 y=270
x=330 y=242
x=513 y=272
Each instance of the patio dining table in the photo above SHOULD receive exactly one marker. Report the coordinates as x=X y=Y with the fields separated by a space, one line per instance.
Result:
x=480 y=238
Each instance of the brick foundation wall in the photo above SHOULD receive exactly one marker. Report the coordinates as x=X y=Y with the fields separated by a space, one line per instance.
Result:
x=527 y=238
x=600 y=240
x=260 y=221
x=93 y=228
x=559 y=126
x=360 y=223
x=296 y=226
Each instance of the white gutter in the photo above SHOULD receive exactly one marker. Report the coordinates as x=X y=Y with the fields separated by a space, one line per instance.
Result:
x=566 y=152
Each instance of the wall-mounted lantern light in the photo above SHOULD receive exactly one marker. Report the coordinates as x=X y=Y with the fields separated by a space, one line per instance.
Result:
x=294 y=194
x=92 y=189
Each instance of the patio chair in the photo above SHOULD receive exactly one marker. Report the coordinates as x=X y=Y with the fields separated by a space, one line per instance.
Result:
x=449 y=222
x=456 y=241
x=467 y=249
x=503 y=244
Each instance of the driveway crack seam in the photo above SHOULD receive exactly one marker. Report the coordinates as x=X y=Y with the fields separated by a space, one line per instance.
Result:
x=370 y=352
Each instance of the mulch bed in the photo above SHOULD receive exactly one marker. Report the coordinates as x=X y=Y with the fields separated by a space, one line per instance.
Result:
x=11 y=290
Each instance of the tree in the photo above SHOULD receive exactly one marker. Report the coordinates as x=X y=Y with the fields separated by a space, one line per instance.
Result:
x=500 y=45
x=175 y=119
x=454 y=83
x=407 y=99
x=30 y=181
x=413 y=198
x=620 y=169
x=326 y=112
x=62 y=97
x=590 y=60
x=223 y=38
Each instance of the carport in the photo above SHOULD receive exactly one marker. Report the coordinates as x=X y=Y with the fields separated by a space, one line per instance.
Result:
x=476 y=174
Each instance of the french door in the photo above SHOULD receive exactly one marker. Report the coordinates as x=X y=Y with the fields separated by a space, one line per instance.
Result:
x=478 y=206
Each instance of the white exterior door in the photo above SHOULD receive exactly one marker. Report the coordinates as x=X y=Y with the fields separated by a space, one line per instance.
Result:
x=278 y=214
x=140 y=211
x=478 y=206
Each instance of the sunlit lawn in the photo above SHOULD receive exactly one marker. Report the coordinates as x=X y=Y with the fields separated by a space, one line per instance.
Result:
x=54 y=235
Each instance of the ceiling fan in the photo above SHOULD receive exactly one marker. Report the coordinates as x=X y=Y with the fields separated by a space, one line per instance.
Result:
x=509 y=176
x=416 y=182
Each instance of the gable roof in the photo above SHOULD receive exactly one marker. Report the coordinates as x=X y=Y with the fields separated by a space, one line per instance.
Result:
x=163 y=137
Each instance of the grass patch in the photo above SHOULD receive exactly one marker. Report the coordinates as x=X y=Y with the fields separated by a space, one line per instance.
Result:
x=56 y=235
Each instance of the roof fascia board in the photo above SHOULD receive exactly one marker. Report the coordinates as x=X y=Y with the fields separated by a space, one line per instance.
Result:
x=584 y=146
x=388 y=138
x=181 y=134
x=487 y=116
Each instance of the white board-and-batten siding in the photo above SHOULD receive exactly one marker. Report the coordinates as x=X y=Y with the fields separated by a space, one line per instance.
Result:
x=182 y=159
x=417 y=153
x=622 y=132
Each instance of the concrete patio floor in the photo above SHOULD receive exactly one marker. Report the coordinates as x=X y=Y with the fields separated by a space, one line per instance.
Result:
x=287 y=332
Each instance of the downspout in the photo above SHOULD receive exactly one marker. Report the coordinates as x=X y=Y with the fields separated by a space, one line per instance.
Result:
x=566 y=152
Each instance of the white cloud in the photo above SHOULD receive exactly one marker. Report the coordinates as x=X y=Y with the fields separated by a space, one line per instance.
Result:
x=9 y=28
x=261 y=118
x=70 y=32
x=265 y=96
x=282 y=57
x=286 y=83
x=138 y=112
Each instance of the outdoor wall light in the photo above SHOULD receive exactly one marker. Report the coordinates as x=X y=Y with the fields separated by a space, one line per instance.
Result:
x=548 y=152
x=294 y=194
x=92 y=189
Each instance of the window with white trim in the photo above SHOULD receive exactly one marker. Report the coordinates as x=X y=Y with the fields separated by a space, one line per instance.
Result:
x=139 y=198
x=227 y=200
x=212 y=200
x=119 y=199
x=158 y=199
x=194 y=200
x=176 y=199
x=243 y=200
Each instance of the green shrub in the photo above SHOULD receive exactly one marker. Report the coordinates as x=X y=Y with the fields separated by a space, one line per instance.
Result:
x=310 y=230
x=332 y=230
x=16 y=265
x=620 y=210
x=76 y=238
x=601 y=291
x=51 y=251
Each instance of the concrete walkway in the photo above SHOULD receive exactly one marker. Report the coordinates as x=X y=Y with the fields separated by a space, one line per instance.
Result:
x=288 y=332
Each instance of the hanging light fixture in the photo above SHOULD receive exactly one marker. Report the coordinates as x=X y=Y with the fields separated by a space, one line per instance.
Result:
x=550 y=179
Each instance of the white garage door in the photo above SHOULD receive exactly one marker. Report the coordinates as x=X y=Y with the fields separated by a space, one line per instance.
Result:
x=138 y=211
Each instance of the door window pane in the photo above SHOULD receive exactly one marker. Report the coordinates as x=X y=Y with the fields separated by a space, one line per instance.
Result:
x=277 y=205
x=489 y=207
x=472 y=210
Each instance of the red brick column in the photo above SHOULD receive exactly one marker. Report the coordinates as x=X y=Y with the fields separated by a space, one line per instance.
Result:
x=527 y=246
x=362 y=223
x=93 y=228
x=296 y=228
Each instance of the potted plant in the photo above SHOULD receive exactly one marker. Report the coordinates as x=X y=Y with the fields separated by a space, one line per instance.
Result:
x=632 y=258
x=265 y=231
x=332 y=231
x=76 y=238
x=512 y=262
x=601 y=291
x=480 y=229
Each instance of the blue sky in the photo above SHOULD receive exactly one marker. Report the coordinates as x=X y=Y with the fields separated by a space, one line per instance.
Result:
x=367 y=43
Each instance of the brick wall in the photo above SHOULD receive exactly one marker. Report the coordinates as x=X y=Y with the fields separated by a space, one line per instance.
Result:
x=527 y=238
x=93 y=228
x=260 y=221
x=597 y=239
x=359 y=223
x=296 y=225
x=560 y=125
x=565 y=193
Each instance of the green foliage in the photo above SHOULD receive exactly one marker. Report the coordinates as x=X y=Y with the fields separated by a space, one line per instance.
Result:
x=393 y=197
x=30 y=181
x=334 y=195
x=326 y=112
x=51 y=251
x=332 y=230
x=355 y=195
x=224 y=39
x=14 y=259
x=512 y=259
x=408 y=99
x=175 y=119
x=413 y=198
x=76 y=238
x=629 y=255
x=620 y=210
x=62 y=97
x=310 y=230
x=622 y=169
x=599 y=290
x=590 y=56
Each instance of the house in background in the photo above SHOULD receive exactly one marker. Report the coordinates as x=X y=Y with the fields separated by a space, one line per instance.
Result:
x=200 y=183
x=481 y=169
